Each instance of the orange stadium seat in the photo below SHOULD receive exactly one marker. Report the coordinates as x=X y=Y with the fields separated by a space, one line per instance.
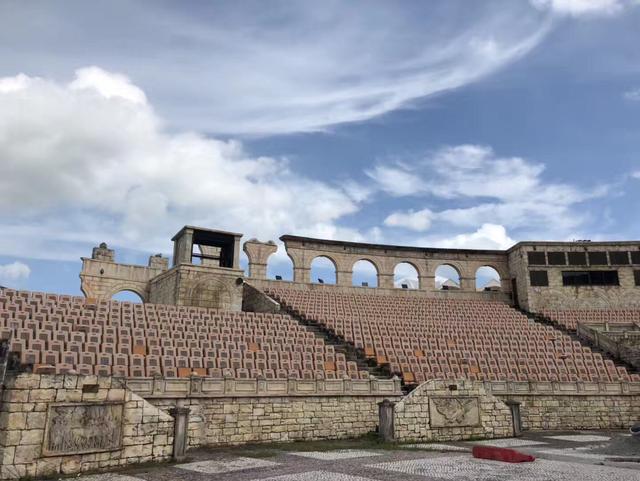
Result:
x=422 y=338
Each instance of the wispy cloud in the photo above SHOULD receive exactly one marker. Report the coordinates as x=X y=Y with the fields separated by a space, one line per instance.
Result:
x=417 y=221
x=633 y=94
x=13 y=273
x=508 y=191
x=583 y=8
x=240 y=68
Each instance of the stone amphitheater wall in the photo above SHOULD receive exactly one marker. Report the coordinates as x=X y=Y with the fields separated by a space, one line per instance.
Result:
x=66 y=424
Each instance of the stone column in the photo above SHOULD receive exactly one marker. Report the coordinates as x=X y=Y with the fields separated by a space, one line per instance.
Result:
x=385 y=420
x=236 y=252
x=180 y=431
x=468 y=284
x=258 y=254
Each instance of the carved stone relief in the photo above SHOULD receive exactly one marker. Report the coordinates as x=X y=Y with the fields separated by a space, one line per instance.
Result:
x=446 y=412
x=83 y=428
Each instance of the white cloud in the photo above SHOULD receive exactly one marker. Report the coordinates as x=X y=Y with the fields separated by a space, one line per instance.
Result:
x=504 y=190
x=90 y=161
x=578 y=8
x=396 y=181
x=488 y=236
x=632 y=94
x=107 y=84
x=14 y=272
x=415 y=220
x=636 y=174
x=240 y=68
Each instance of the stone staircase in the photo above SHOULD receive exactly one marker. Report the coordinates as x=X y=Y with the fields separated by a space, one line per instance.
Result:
x=339 y=344
x=574 y=337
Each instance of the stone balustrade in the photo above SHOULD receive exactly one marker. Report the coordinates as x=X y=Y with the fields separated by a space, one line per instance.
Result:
x=203 y=387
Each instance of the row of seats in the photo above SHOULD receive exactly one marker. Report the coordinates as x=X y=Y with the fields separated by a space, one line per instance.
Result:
x=570 y=318
x=422 y=338
x=109 y=337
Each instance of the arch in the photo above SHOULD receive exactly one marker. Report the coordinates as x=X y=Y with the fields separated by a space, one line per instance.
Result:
x=406 y=274
x=210 y=292
x=447 y=277
x=323 y=268
x=488 y=279
x=128 y=295
x=364 y=271
x=244 y=263
x=280 y=265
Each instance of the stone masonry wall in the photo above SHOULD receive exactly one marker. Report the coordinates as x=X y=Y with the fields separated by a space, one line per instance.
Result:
x=435 y=411
x=626 y=295
x=230 y=421
x=27 y=420
x=539 y=413
x=201 y=286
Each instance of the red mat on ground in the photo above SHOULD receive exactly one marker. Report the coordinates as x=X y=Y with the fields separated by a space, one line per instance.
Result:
x=501 y=454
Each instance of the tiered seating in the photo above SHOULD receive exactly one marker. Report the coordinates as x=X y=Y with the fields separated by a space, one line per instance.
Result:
x=570 y=318
x=424 y=338
x=136 y=340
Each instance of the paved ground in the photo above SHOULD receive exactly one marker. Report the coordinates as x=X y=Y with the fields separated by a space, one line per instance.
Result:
x=575 y=456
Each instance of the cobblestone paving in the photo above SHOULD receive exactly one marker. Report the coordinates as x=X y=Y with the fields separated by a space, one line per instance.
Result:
x=365 y=460
x=317 y=476
x=335 y=455
x=225 y=465
x=467 y=468
x=580 y=438
x=510 y=443
x=436 y=447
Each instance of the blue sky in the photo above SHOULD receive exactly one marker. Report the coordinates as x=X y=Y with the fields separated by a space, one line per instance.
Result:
x=443 y=123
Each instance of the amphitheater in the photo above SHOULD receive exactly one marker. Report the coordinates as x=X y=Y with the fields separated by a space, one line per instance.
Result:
x=216 y=357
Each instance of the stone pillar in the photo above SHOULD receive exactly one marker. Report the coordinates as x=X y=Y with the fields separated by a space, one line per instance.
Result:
x=180 y=431
x=468 y=284
x=158 y=262
x=258 y=254
x=514 y=407
x=427 y=283
x=183 y=247
x=103 y=253
x=301 y=274
x=385 y=420
x=385 y=279
x=236 y=252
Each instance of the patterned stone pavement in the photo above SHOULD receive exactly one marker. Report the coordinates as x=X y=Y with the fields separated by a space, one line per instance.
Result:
x=561 y=456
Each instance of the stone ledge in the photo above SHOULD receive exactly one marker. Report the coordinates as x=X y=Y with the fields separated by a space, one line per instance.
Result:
x=577 y=388
x=203 y=387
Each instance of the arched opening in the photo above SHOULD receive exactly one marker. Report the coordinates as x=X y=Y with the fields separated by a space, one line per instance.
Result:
x=364 y=274
x=279 y=267
x=323 y=270
x=127 y=296
x=405 y=276
x=488 y=279
x=447 y=278
x=244 y=263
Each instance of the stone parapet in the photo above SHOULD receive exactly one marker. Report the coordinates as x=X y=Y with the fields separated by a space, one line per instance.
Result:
x=203 y=387
x=383 y=290
x=577 y=388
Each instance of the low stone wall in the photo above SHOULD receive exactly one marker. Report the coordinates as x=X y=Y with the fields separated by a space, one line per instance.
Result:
x=237 y=411
x=450 y=411
x=66 y=424
x=231 y=421
x=572 y=405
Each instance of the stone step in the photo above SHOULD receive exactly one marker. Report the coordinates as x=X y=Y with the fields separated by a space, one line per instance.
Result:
x=574 y=336
x=339 y=344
